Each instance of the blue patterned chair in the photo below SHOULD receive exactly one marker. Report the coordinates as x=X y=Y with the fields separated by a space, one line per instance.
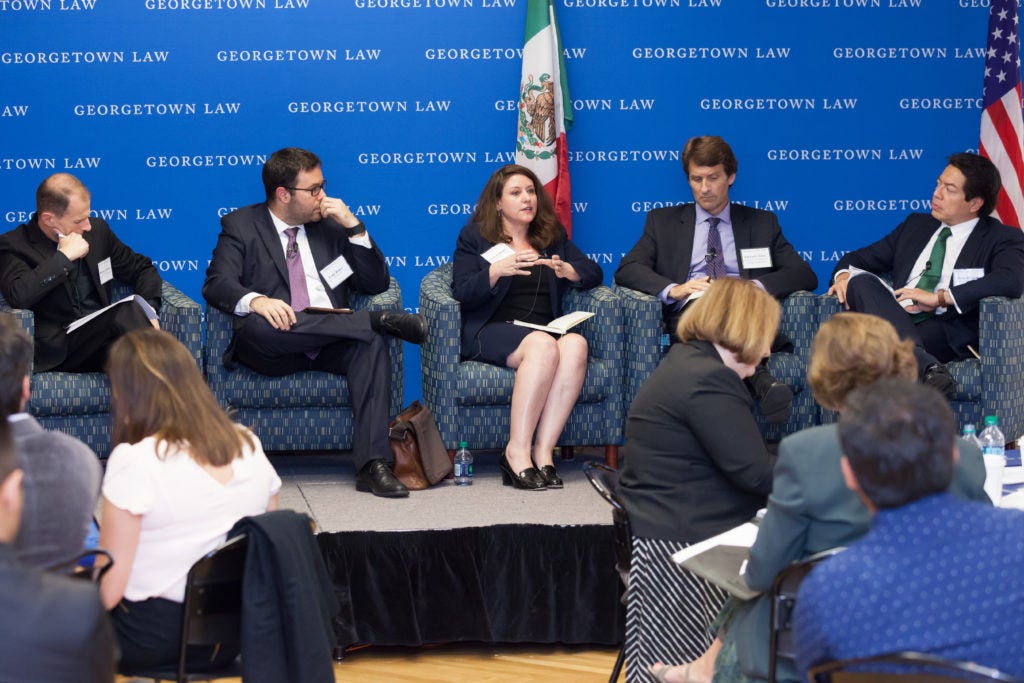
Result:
x=993 y=385
x=644 y=350
x=471 y=400
x=78 y=403
x=307 y=411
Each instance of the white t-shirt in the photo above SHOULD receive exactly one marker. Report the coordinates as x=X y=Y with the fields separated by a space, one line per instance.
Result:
x=185 y=512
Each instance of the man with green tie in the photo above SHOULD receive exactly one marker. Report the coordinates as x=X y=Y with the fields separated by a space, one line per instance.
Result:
x=941 y=266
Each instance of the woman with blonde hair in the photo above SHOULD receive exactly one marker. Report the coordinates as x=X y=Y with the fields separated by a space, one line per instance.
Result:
x=178 y=479
x=696 y=465
x=810 y=509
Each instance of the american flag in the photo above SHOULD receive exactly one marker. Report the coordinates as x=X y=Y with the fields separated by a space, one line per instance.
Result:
x=1002 y=124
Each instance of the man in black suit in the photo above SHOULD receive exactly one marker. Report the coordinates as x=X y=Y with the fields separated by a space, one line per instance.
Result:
x=300 y=230
x=942 y=266
x=684 y=247
x=60 y=265
x=54 y=628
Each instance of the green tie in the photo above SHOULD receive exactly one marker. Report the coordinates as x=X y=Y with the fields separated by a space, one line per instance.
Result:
x=930 y=279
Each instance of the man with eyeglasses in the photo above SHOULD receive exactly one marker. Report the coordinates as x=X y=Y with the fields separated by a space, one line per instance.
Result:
x=61 y=266
x=301 y=249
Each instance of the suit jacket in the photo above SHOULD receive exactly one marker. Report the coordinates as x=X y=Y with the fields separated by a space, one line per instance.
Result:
x=471 y=285
x=810 y=509
x=938 y=575
x=662 y=255
x=249 y=258
x=61 y=485
x=34 y=275
x=997 y=248
x=54 y=629
x=697 y=463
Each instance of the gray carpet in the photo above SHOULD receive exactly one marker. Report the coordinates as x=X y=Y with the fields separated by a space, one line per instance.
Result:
x=323 y=486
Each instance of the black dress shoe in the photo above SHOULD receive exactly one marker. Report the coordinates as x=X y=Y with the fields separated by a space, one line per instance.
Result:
x=529 y=479
x=937 y=375
x=550 y=477
x=775 y=399
x=410 y=327
x=376 y=477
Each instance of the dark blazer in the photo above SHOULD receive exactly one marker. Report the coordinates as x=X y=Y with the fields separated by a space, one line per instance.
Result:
x=34 y=275
x=54 y=629
x=697 y=463
x=471 y=284
x=662 y=255
x=997 y=248
x=810 y=509
x=249 y=258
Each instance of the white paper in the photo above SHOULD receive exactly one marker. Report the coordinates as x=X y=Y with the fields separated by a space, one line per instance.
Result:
x=961 y=276
x=559 y=325
x=1013 y=475
x=142 y=303
x=756 y=258
x=106 y=271
x=336 y=272
x=498 y=252
x=743 y=536
x=1014 y=500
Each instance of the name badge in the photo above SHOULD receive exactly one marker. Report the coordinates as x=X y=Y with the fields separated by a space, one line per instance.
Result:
x=106 y=271
x=961 y=276
x=756 y=258
x=336 y=272
x=498 y=252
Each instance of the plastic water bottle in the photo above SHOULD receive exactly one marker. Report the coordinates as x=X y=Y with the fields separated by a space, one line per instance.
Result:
x=463 y=465
x=992 y=448
x=970 y=436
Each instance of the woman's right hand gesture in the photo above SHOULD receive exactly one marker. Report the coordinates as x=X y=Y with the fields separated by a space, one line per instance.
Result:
x=514 y=264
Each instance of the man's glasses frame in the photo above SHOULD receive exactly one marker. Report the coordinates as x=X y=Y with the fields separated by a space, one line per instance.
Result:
x=313 y=191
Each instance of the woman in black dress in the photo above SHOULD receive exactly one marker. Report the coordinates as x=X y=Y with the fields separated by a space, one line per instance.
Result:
x=513 y=262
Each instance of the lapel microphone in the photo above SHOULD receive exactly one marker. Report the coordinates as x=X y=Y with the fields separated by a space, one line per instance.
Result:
x=927 y=267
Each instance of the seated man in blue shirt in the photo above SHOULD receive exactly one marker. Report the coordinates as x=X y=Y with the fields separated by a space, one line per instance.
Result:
x=934 y=574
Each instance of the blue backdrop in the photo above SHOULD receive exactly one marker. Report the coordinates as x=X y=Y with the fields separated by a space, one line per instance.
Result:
x=841 y=112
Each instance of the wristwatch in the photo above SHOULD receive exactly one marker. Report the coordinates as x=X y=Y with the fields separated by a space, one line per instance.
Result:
x=942 y=298
x=356 y=231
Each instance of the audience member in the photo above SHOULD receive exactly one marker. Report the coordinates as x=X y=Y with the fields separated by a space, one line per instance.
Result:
x=60 y=265
x=696 y=466
x=180 y=476
x=941 y=265
x=513 y=261
x=810 y=509
x=298 y=249
x=684 y=248
x=53 y=629
x=61 y=474
x=934 y=574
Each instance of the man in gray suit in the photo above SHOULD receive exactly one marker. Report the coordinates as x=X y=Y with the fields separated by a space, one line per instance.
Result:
x=684 y=247
x=61 y=474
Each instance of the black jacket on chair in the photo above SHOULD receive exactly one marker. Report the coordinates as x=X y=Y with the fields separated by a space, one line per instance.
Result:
x=288 y=602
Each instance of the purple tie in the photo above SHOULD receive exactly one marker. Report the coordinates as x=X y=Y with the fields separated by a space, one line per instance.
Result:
x=297 y=278
x=296 y=273
x=715 y=258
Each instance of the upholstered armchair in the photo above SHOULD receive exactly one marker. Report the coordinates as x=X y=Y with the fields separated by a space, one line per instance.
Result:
x=645 y=347
x=471 y=400
x=78 y=403
x=307 y=411
x=991 y=385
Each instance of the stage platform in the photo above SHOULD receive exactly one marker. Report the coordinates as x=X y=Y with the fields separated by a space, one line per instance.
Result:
x=485 y=563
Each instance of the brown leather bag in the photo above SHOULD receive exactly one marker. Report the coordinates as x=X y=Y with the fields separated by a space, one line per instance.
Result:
x=420 y=455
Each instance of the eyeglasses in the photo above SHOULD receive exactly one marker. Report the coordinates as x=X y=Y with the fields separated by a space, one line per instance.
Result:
x=313 y=191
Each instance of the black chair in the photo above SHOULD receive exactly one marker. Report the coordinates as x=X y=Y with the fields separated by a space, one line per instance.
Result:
x=605 y=480
x=212 y=613
x=904 y=667
x=783 y=599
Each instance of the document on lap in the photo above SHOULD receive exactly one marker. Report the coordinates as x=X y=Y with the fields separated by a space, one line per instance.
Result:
x=722 y=559
x=143 y=304
x=854 y=272
x=559 y=325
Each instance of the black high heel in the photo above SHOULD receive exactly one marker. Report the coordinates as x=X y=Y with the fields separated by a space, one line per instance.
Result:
x=550 y=476
x=529 y=479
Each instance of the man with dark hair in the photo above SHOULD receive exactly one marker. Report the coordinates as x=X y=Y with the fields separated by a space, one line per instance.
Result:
x=53 y=629
x=61 y=474
x=298 y=249
x=934 y=574
x=684 y=247
x=60 y=265
x=941 y=266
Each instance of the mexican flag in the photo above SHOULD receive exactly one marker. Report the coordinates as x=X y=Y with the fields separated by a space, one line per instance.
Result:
x=545 y=110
